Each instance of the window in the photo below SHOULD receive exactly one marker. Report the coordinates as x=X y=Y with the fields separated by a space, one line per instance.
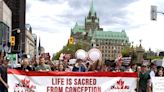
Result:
x=106 y=55
x=4 y=33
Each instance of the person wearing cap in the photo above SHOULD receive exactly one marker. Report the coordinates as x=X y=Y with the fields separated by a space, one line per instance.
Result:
x=3 y=76
x=144 y=78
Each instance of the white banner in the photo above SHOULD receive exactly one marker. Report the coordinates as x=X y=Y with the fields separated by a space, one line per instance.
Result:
x=20 y=81
x=158 y=84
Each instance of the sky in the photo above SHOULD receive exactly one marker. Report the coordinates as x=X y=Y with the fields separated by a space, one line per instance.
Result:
x=52 y=20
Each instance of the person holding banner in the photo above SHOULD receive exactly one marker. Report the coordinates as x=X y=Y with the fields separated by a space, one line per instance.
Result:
x=144 y=78
x=3 y=76
x=79 y=66
x=61 y=67
x=25 y=65
x=43 y=66
x=160 y=73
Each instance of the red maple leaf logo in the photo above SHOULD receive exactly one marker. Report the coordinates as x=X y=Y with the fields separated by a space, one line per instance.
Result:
x=25 y=82
x=120 y=85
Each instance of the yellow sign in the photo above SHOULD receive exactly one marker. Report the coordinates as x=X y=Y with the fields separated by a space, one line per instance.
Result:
x=71 y=40
x=12 y=40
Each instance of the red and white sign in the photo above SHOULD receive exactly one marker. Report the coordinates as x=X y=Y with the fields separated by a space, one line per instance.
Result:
x=20 y=81
x=158 y=84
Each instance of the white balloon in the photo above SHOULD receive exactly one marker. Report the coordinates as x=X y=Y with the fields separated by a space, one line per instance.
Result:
x=81 y=54
x=94 y=54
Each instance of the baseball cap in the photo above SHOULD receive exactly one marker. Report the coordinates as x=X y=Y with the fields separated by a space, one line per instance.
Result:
x=143 y=65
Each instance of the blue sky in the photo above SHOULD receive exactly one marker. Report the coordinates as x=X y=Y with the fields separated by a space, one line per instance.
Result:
x=52 y=20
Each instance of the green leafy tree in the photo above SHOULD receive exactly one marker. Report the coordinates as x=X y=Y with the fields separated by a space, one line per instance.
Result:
x=130 y=52
x=154 y=57
x=127 y=51
x=56 y=57
x=69 y=49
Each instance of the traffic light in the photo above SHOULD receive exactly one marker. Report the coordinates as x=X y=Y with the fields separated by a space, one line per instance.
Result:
x=153 y=12
x=71 y=40
x=12 y=40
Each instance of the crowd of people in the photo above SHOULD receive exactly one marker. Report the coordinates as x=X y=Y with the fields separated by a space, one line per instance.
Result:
x=145 y=72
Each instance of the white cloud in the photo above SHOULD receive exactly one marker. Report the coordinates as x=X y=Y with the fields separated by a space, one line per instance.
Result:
x=151 y=32
x=56 y=35
x=52 y=42
x=54 y=32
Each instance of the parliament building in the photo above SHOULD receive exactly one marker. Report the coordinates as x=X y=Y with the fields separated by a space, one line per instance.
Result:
x=92 y=35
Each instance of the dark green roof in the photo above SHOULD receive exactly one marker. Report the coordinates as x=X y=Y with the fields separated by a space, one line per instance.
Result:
x=78 y=28
x=110 y=35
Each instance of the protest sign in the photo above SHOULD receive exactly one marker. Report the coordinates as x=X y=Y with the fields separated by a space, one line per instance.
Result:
x=20 y=81
x=158 y=84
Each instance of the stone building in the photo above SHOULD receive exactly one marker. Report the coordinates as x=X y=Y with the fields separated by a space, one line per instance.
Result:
x=30 y=42
x=92 y=35
x=18 y=9
x=5 y=26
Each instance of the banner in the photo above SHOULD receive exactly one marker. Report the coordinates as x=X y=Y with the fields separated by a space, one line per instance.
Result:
x=158 y=84
x=20 y=81
x=126 y=60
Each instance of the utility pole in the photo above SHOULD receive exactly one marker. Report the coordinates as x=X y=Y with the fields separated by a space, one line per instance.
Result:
x=154 y=12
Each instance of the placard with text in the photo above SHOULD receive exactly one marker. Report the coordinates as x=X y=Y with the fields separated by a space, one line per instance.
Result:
x=20 y=81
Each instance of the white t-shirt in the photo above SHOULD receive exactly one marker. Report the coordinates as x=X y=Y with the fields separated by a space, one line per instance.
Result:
x=152 y=74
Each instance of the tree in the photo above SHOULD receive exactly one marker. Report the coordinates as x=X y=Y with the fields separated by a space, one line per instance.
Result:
x=57 y=55
x=130 y=52
x=154 y=57
x=69 y=49
x=127 y=51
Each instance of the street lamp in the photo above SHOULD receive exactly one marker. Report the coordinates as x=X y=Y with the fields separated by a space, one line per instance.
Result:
x=16 y=29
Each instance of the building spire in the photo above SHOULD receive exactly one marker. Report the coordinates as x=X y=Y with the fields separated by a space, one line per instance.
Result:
x=39 y=47
x=140 y=43
x=92 y=10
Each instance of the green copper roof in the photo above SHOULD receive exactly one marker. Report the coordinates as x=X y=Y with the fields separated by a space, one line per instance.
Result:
x=92 y=10
x=110 y=35
x=78 y=28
